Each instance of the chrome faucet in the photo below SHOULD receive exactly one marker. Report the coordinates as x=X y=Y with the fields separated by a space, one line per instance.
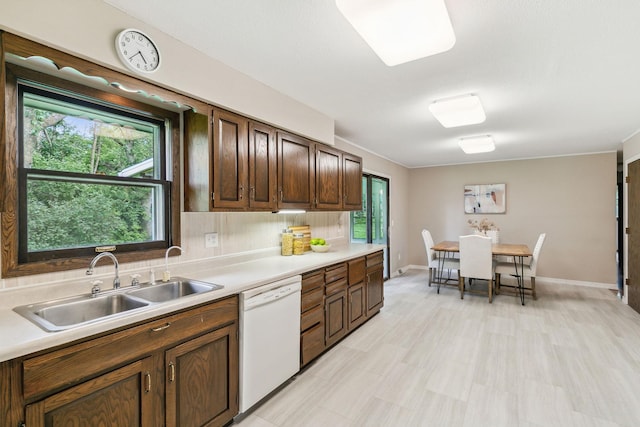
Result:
x=116 y=280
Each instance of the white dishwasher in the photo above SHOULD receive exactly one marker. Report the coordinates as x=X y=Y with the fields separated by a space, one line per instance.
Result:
x=269 y=338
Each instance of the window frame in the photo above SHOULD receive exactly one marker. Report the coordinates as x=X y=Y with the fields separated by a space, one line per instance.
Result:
x=28 y=173
x=12 y=266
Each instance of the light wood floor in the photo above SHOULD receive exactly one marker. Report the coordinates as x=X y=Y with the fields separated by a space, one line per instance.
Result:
x=571 y=358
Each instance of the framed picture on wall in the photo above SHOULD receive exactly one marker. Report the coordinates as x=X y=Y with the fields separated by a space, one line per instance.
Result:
x=485 y=199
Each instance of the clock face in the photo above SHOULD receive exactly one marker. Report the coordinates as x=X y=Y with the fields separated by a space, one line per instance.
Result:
x=137 y=51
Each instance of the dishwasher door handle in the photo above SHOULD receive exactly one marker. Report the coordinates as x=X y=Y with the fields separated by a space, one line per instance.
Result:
x=270 y=296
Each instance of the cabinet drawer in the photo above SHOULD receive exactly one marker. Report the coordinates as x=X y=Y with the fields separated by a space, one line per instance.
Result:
x=374 y=259
x=311 y=299
x=335 y=272
x=337 y=286
x=69 y=365
x=311 y=317
x=311 y=344
x=312 y=280
x=356 y=271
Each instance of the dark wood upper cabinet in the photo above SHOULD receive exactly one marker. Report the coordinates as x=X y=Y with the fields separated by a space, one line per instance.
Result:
x=263 y=165
x=230 y=160
x=296 y=172
x=233 y=163
x=328 y=178
x=352 y=182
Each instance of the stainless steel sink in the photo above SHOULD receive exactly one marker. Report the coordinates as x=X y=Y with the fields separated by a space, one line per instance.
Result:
x=177 y=287
x=71 y=312
x=67 y=313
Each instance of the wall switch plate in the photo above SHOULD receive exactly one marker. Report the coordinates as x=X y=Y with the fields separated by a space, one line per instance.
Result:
x=211 y=240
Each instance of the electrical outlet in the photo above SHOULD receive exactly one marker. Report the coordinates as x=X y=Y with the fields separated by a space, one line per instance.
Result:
x=211 y=240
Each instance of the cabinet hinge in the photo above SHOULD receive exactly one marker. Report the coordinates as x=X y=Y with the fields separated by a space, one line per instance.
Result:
x=626 y=281
x=626 y=179
x=627 y=230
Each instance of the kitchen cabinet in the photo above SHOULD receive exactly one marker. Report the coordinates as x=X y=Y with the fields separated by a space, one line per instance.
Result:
x=336 y=303
x=230 y=163
x=180 y=369
x=357 y=310
x=312 y=316
x=374 y=282
x=230 y=160
x=233 y=163
x=263 y=167
x=120 y=398
x=296 y=172
x=352 y=182
x=328 y=178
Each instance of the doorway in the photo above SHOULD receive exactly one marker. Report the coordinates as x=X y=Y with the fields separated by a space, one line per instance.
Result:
x=371 y=224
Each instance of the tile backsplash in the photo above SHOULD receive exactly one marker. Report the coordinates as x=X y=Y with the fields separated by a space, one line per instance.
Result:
x=253 y=234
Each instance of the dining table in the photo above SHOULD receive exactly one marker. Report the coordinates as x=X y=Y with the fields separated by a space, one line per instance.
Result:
x=517 y=251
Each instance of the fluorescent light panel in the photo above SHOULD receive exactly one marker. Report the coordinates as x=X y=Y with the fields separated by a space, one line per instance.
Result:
x=477 y=144
x=400 y=31
x=458 y=111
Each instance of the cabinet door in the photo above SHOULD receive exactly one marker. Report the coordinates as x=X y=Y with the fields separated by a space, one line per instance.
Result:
x=296 y=172
x=352 y=182
x=328 y=178
x=263 y=174
x=357 y=305
x=202 y=380
x=375 y=290
x=197 y=162
x=230 y=151
x=119 y=398
x=335 y=321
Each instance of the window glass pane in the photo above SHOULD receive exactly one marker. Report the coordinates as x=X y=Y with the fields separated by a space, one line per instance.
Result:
x=68 y=214
x=69 y=137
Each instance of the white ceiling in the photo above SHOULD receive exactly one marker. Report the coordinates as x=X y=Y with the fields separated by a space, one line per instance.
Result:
x=556 y=77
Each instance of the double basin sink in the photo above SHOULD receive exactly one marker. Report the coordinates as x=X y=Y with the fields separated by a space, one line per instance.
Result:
x=71 y=312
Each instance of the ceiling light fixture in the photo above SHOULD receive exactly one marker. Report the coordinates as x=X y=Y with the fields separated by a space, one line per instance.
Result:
x=477 y=144
x=400 y=31
x=458 y=111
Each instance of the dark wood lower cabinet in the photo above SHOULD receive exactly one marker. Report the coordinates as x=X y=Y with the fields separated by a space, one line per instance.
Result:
x=119 y=398
x=357 y=306
x=335 y=317
x=354 y=293
x=177 y=370
x=198 y=387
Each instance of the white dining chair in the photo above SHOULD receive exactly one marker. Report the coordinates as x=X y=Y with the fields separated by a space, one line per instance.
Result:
x=507 y=268
x=434 y=263
x=476 y=262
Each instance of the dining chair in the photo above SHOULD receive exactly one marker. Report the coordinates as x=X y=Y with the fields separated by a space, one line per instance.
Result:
x=529 y=269
x=476 y=262
x=434 y=263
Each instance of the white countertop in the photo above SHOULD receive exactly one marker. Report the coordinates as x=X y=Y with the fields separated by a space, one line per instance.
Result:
x=19 y=336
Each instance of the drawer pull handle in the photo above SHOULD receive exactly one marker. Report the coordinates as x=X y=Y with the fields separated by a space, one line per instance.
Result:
x=161 y=328
x=147 y=377
x=172 y=372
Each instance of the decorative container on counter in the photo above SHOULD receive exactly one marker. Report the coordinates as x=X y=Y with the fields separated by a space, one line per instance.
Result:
x=287 y=242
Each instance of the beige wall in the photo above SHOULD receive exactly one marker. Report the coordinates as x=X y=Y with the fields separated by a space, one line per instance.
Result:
x=572 y=199
x=87 y=28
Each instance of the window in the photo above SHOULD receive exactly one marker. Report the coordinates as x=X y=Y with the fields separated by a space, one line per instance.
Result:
x=90 y=175
x=86 y=168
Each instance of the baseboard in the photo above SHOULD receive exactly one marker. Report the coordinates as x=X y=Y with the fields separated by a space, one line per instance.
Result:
x=543 y=280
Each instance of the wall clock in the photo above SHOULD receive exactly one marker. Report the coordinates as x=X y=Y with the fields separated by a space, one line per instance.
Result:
x=137 y=51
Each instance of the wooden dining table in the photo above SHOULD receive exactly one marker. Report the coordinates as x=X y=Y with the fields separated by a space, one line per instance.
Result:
x=515 y=250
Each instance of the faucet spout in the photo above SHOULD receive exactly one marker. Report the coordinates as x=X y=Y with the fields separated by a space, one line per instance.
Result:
x=116 y=280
